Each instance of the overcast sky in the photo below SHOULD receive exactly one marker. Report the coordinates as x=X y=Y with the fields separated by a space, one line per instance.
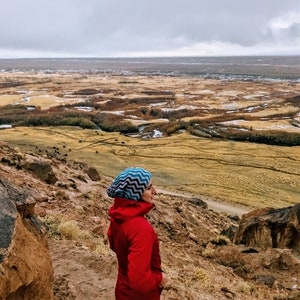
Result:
x=59 y=28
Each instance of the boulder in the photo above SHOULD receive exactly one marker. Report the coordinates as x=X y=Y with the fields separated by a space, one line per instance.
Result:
x=25 y=263
x=93 y=174
x=270 y=228
x=198 y=202
x=41 y=169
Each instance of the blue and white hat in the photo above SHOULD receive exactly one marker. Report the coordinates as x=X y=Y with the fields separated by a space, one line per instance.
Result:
x=130 y=184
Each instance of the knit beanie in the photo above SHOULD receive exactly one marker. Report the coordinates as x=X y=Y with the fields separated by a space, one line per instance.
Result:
x=130 y=184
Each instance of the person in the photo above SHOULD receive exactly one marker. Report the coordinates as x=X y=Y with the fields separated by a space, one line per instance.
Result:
x=132 y=237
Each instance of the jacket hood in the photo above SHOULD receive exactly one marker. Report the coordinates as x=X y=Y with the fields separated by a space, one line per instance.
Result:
x=124 y=209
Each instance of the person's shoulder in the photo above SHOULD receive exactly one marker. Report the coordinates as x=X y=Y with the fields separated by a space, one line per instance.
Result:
x=140 y=223
x=140 y=220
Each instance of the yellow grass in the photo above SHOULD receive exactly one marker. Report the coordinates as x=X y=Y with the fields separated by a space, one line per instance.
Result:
x=43 y=101
x=281 y=109
x=10 y=99
x=253 y=174
x=265 y=125
x=59 y=224
x=71 y=230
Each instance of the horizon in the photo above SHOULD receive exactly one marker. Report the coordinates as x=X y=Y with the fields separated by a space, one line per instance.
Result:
x=242 y=67
x=148 y=57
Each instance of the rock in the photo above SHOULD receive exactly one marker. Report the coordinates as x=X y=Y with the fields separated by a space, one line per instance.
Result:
x=250 y=250
x=234 y=218
x=62 y=289
x=25 y=262
x=229 y=294
x=281 y=259
x=93 y=174
x=295 y=295
x=41 y=169
x=229 y=232
x=265 y=279
x=270 y=228
x=198 y=202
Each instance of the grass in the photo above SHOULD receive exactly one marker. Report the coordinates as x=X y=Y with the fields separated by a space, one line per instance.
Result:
x=59 y=225
x=256 y=175
x=71 y=230
x=246 y=288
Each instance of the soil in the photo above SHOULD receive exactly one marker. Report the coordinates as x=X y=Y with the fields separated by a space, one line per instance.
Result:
x=200 y=261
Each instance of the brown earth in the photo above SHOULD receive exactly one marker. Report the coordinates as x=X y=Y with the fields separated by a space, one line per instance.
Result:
x=201 y=263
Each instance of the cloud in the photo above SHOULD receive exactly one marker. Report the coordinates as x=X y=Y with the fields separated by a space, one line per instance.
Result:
x=286 y=21
x=286 y=28
x=217 y=48
x=150 y=27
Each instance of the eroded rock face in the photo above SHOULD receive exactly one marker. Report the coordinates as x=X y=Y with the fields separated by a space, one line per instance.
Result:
x=270 y=228
x=25 y=263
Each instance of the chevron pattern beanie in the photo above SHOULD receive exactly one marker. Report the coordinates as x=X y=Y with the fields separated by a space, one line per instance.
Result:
x=130 y=184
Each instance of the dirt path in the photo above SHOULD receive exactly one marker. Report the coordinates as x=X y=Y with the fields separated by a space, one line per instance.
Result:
x=228 y=208
x=81 y=273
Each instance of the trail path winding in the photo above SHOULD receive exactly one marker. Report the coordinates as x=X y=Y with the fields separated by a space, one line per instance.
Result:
x=228 y=208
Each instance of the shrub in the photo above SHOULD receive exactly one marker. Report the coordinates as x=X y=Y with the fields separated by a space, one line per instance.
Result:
x=114 y=123
x=170 y=127
x=86 y=92
x=81 y=122
x=70 y=230
x=12 y=113
x=52 y=221
x=155 y=112
x=57 y=120
x=200 y=275
x=271 y=137
x=246 y=288
x=58 y=225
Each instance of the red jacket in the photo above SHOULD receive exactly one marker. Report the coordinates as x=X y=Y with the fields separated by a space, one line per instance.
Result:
x=135 y=243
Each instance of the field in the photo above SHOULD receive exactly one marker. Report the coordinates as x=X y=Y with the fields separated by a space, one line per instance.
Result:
x=238 y=172
x=203 y=164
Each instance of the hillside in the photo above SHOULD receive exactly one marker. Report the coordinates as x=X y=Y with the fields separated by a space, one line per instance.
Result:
x=202 y=263
x=237 y=140
x=232 y=141
x=254 y=175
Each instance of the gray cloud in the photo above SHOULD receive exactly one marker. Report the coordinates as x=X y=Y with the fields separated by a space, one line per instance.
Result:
x=134 y=27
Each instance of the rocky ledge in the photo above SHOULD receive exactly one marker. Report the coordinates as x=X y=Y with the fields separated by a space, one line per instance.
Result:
x=25 y=264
